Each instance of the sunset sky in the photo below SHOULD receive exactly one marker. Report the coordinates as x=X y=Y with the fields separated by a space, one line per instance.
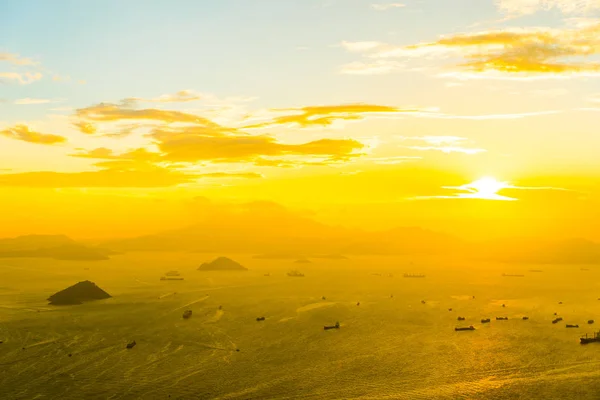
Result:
x=473 y=117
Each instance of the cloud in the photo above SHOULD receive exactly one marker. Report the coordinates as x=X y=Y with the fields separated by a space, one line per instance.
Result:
x=377 y=67
x=387 y=6
x=525 y=53
x=28 y=101
x=182 y=96
x=448 y=149
x=193 y=145
x=525 y=7
x=244 y=175
x=326 y=115
x=24 y=78
x=22 y=132
x=16 y=59
x=435 y=140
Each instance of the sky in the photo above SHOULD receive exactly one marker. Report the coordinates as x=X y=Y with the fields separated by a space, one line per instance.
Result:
x=472 y=117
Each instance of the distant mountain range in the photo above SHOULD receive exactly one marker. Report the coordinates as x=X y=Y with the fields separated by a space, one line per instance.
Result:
x=272 y=232
x=56 y=247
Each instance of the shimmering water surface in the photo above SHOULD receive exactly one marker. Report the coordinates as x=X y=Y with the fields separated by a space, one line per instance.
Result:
x=390 y=346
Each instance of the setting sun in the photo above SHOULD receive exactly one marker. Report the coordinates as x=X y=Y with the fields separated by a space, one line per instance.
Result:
x=487 y=187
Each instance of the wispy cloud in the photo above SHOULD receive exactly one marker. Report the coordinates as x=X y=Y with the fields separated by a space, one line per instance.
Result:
x=448 y=149
x=525 y=7
x=24 y=78
x=16 y=59
x=30 y=101
x=387 y=6
x=23 y=133
x=183 y=96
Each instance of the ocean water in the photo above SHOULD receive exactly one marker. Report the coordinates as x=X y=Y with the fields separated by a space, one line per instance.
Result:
x=387 y=347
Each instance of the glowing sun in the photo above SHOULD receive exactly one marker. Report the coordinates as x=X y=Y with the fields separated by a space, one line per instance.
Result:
x=486 y=187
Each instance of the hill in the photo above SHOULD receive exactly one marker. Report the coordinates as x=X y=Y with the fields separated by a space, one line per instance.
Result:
x=57 y=247
x=78 y=293
x=222 y=264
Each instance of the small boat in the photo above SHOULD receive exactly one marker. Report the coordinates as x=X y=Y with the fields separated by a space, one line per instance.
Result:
x=556 y=320
x=267 y=274
x=468 y=328
x=358 y=304
x=590 y=339
x=525 y=318
x=449 y=309
x=220 y=307
x=295 y=273
x=187 y=314
x=422 y=301
x=501 y=318
x=260 y=319
x=560 y=302
x=461 y=318
x=572 y=326
x=503 y=305
x=486 y=320
x=323 y=298
x=336 y=326
x=131 y=345
x=591 y=321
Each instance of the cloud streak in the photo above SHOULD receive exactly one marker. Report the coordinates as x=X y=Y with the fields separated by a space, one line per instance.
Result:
x=23 y=133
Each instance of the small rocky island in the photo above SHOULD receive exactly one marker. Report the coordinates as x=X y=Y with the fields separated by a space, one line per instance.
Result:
x=222 y=264
x=77 y=294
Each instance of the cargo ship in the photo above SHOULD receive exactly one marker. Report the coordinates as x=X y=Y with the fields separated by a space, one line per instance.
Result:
x=187 y=314
x=572 y=326
x=260 y=318
x=468 y=328
x=295 y=273
x=554 y=321
x=501 y=318
x=589 y=339
x=486 y=321
x=336 y=326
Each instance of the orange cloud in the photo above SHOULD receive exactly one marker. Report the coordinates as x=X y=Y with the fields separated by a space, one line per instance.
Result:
x=326 y=115
x=22 y=132
x=16 y=59
x=24 y=78
x=508 y=52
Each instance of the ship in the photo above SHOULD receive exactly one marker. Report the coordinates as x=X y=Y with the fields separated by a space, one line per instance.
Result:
x=171 y=278
x=414 y=276
x=336 y=326
x=173 y=273
x=501 y=318
x=295 y=273
x=131 y=345
x=467 y=328
x=589 y=339
x=486 y=320
x=525 y=318
x=461 y=318
x=572 y=326
x=187 y=314
x=591 y=321
x=260 y=319
x=556 y=320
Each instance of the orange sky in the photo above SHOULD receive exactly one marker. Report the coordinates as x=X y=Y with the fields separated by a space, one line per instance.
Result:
x=480 y=125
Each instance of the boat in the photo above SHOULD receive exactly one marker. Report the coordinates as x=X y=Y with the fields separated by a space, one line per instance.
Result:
x=590 y=339
x=171 y=278
x=572 y=326
x=414 y=276
x=187 y=314
x=267 y=274
x=461 y=318
x=591 y=321
x=260 y=319
x=556 y=320
x=525 y=318
x=295 y=273
x=336 y=326
x=501 y=318
x=422 y=301
x=467 y=328
x=173 y=273
x=486 y=320
x=323 y=298
x=131 y=344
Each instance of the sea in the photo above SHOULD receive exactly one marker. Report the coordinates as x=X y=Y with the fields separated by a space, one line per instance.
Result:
x=396 y=338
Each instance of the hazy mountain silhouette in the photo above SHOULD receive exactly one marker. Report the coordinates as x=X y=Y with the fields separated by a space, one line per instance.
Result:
x=58 y=247
x=222 y=264
x=261 y=227
x=78 y=293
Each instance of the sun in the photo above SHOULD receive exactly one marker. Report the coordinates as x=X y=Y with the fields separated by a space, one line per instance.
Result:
x=487 y=187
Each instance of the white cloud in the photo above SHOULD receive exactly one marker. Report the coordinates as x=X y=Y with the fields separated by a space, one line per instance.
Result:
x=16 y=59
x=24 y=78
x=525 y=7
x=383 y=7
x=28 y=101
